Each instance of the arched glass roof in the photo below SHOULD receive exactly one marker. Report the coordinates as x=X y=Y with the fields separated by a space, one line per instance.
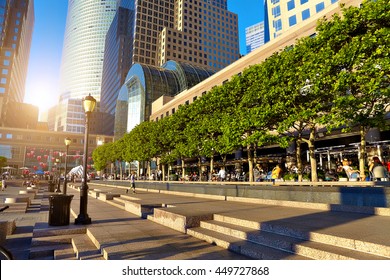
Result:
x=144 y=84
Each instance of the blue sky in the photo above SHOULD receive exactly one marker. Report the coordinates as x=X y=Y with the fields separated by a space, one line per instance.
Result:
x=45 y=56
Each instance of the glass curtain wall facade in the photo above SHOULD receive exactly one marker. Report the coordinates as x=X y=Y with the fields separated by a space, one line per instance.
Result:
x=118 y=53
x=282 y=15
x=254 y=36
x=145 y=84
x=16 y=27
x=117 y=57
x=87 y=24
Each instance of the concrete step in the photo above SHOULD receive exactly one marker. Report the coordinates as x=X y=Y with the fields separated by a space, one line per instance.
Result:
x=240 y=246
x=310 y=249
x=65 y=254
x=50 y=240
x=372 y=250
x=84 y=248
x=46 y=252
x=117 y=203
x=57 y=231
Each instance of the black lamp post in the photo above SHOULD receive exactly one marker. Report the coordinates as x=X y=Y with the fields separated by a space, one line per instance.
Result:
x=89 y=104
x=67 y=143
x=58 y=162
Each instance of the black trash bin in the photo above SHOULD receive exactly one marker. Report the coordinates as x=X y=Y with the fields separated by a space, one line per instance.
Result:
x=59 y=209
x=51 y=186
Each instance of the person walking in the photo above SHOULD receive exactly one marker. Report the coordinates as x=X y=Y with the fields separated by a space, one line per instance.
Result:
x=132 y=182
x=3 y=184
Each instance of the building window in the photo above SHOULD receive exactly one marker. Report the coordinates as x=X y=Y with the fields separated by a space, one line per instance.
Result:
x=334 y=1
x=305 y=1
x=320 y=7
x=278 y=25
x=276 y=11
x=292 y=20
x=7 y=53
x=290 y=5
x=305 y=14
x=4 y=71
x=8 y=136
x=6 y=62
x=2 y=90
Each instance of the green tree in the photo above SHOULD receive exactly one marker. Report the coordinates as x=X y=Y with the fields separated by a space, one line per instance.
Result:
x=361 y=64
x=100 y=157
x=3 y=161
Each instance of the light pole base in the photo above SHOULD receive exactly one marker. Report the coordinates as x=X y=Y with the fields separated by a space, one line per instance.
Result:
x=58 y=186
x=82 y=220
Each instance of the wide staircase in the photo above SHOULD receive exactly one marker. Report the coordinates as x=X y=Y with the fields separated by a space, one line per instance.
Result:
x=273 y=241
x=270 y=240
x=245 y=232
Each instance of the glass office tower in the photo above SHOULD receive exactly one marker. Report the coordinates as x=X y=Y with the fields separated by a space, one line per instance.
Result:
x=87 y=24
x=254 y=36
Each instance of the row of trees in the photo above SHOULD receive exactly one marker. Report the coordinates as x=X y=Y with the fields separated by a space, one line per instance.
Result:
x=339 y=78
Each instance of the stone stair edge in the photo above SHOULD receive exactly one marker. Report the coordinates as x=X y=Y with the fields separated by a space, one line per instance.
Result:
x=349 y=243
x=291 y=244
x=241 y=246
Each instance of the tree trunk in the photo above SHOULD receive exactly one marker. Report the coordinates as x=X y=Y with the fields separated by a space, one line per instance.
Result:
x=183 y=169
x=362 y=152
x=163 y=172
x=120 y=169
x=199 y=166
x=250 y=163
x=313 y=162
x=299 y=158
x=211 y=168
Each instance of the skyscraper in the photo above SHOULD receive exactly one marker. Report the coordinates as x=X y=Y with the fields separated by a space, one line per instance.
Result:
x=282 y=15
x=16 y=26
x=117 y=55
x=254 y=36
x=87 y=24
x=202 y=33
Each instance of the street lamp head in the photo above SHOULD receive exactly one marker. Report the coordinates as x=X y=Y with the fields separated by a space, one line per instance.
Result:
x=67 y=141
x=89 y=103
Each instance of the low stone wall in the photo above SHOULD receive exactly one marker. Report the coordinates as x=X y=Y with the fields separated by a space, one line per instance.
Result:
x=6 y=228
x=370 y=194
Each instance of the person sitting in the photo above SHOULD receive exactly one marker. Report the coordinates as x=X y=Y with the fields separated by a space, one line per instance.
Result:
x=377 y=170
x=351 y=173
x=222 y=174
x=276 y=172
